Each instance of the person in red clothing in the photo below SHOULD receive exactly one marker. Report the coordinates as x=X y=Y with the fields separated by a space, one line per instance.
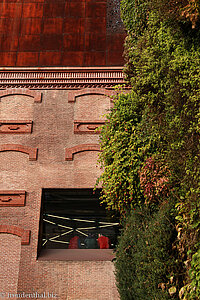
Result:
x=103 y=242
x=74 y=243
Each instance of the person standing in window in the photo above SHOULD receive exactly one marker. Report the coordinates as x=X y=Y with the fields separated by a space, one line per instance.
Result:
x=103 y=242
x=90 y=242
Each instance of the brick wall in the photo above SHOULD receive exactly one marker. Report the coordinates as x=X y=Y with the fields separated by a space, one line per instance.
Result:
x=10 y=247
x=53 y=132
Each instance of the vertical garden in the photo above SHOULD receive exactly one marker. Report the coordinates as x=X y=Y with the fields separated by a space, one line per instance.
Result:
x=151 y=152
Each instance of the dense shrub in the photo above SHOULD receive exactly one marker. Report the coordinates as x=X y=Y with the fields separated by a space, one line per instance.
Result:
x=146 y=263
x=151 y=149
x=125 y=143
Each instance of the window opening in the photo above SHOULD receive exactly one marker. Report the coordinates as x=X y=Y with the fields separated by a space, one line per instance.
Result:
x=74 y=219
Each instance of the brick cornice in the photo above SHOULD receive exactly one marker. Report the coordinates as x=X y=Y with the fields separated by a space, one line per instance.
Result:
x=37 y=96
x=32 y=152
x=61 y=78
x=16 y=230
x=69 y=152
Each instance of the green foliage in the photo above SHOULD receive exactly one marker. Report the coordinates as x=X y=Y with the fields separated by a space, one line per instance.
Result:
x=134 y=14
x=194 y=273
x=125 y=143
x=158 y=120
x=154 y=179
x=191 y=291
x=145 y=262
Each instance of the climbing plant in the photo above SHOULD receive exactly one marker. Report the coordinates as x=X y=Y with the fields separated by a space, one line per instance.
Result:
x=150 y=143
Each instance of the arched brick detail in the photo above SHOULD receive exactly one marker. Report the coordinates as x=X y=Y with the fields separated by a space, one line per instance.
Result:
x=69 y=152
x=16 y=230
x=37 y=96
x=72 y=95
x=32 y=152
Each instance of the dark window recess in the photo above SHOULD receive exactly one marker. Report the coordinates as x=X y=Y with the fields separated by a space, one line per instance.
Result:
x=74 y=219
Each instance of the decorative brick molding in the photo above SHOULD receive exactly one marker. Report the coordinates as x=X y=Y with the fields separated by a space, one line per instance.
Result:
x=13 y=126
x=12 y=198
x=69 y=152
x=32 y=152
x=84 y=127
x=37 y=96
x=72 y=95
x=61 y=78
x=16 y=230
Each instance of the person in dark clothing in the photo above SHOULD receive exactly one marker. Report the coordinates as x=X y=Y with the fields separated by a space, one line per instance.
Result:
x=90 y=242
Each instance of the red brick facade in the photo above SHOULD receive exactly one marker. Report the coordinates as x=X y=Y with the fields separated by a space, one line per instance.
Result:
x=59 y=62
x=64 y=160
x=16 y=230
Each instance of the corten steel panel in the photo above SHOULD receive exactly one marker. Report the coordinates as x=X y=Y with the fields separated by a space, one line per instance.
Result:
x=47 y=57
x=32 y=10
x=95 y=9
x=51 y=42
x=7 y=45
x=53 y=25
x=114 y=58
x=73 y=42
x=27 y=59
x=8 y=58
x=75 y=9
x=54 y=9
x=74 y=25
x=115 y=42
x=78 y=30
x=29 y=43
x=95 y=42
x=31 y=26
x=92 y=58
x=9 y=26
x=72 y=58
x=10 y=10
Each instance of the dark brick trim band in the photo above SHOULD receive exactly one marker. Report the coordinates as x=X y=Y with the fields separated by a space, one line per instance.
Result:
x=37 y=96
x=16 y=230
x=72 y=95
x=16 y=126
x=12 y=198
x=87 y=127
x=32 y=152
x=69 y=152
